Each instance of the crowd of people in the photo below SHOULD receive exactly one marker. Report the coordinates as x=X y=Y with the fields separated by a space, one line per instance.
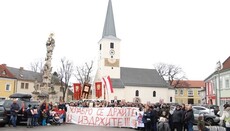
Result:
x=155 y=117
x=44 y=114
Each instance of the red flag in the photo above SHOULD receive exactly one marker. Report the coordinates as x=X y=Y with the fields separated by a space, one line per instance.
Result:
x=108 y=84
x=98 y=88
x=77 y=91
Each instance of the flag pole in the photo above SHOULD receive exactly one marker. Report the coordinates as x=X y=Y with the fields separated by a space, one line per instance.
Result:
x=104 y=93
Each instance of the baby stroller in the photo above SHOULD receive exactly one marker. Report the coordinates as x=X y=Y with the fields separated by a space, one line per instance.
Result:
x=56 y=120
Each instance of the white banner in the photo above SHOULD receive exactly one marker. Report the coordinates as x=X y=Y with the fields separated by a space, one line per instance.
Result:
x=115 y=117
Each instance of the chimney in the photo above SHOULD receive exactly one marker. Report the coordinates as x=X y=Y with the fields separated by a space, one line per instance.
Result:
x=21 y=68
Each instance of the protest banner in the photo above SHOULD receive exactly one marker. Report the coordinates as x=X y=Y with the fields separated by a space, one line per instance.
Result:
x=108 y=116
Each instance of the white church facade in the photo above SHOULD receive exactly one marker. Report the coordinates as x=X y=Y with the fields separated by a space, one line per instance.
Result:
x=129 y=84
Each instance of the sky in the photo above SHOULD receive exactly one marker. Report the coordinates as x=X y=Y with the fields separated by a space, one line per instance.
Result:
x=191 y=34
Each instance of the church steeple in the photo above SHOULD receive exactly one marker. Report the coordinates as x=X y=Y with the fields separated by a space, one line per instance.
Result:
x=109 y=26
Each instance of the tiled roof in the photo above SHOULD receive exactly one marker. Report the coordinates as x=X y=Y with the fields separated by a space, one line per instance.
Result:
x=4 y=72
x=190 y=83
x=141 y=77
x=22 y=74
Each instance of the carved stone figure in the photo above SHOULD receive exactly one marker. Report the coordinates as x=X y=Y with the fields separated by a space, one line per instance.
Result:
x=47 y=71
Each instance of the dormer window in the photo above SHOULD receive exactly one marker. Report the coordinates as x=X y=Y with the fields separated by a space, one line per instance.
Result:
x=21 y=75
x=4 y=72
x=111 y=45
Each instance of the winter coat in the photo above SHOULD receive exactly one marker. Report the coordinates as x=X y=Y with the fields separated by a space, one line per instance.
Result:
x=189 y=116
x=177 y=116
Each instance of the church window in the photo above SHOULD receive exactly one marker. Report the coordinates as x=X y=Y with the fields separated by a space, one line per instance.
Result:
x=154 y=93
x=100 y=47
x=137 y=93
x=111 y=45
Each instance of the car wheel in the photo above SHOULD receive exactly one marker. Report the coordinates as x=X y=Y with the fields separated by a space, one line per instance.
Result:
x=2 y=125
x=209 y=121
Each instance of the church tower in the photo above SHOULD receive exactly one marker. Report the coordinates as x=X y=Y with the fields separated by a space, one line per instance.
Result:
x=109 y=48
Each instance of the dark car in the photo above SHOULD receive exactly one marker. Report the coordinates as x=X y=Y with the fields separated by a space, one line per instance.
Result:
x=22 y=111
x=3 y=116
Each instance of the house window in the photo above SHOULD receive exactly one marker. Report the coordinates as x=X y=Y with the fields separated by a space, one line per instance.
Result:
x=100 y=47
x=176 y=92
x=190 y=92
x=170 y=99
x=7 y=88
x=227 y=83
x=221 y=84
x=154 y=93
x=137 y=93
x=111 y=45
x=181 y=92
x=22 y=86
x=27 y=86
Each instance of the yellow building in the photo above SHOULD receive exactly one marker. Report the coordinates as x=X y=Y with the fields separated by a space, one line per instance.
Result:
x=7 y=82
x=189 y=92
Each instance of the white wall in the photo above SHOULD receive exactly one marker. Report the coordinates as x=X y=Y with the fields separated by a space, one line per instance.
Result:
x=145 y=94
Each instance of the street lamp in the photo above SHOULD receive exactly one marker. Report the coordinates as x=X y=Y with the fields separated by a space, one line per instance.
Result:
x=218 y=94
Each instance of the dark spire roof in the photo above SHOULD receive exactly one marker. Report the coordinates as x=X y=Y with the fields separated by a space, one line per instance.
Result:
x=109 y=26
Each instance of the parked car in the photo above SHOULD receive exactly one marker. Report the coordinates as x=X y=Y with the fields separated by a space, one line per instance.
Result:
x=22 y=116
x=209 y=118
x=203 y=109
x=3 y=116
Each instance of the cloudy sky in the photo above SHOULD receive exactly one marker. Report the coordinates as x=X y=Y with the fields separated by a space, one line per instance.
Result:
x=192 y=34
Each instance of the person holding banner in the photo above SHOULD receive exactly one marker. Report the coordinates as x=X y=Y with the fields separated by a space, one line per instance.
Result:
x=147 y=118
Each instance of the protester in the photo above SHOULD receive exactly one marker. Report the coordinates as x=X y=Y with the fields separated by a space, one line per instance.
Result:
x=226 y=117
x=147 y=118
x=177 y=118
x=189 y=118
x=14 y=109
x=30 y=114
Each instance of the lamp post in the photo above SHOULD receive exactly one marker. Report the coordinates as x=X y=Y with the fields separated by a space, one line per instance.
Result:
x=219 y=66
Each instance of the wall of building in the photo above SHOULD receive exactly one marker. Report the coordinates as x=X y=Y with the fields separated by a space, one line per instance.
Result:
x=184 y=98
x=4 y=94
x=145 y=94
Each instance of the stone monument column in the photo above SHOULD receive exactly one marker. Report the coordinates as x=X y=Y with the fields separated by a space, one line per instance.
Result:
x=47 y=69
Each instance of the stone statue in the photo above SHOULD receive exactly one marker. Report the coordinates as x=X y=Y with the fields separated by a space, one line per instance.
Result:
x=47 y=71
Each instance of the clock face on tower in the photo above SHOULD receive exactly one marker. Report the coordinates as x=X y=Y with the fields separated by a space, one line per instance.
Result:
x=111 y=52
x=112 y=62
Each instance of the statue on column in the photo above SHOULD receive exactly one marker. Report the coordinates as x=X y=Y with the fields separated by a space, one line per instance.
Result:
x=47 y=69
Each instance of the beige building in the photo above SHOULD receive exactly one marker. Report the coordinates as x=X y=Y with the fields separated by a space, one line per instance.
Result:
x=190 y=92
x=30 y=82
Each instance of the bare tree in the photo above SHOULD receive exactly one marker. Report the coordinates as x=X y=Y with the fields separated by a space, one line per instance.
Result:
x=37 y=66
x=171 y=73
x=65 y=72
x=83 y=73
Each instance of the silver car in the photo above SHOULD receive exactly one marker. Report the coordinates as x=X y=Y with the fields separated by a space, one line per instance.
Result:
x=209 y=118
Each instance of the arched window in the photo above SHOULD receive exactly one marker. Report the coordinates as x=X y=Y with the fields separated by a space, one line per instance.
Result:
x=137 y=93
x=154 y=93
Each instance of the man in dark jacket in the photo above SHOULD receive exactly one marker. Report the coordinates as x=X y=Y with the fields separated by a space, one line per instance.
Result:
x=14 y=108
x=177 y=118
x=189 y=117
